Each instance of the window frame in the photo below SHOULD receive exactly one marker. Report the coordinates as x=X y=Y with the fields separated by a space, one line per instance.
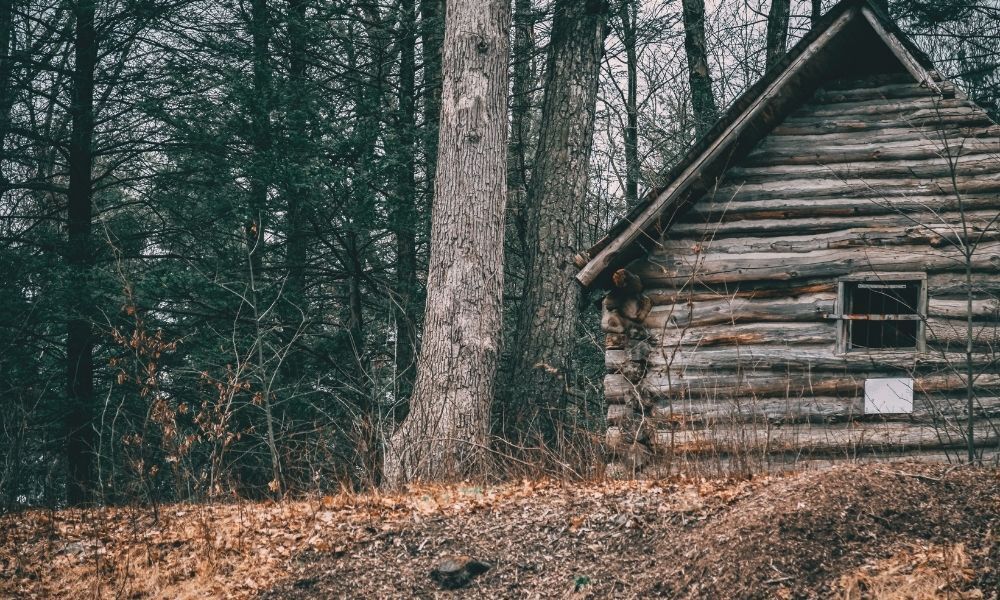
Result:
x=843 y=323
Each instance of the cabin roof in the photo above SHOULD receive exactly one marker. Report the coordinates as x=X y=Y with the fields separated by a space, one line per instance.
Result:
x=746 y=121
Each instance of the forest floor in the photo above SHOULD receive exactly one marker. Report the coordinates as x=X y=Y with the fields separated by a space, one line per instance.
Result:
x=894 y=530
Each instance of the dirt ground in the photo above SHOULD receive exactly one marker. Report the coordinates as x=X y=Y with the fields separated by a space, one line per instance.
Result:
x=851 y=531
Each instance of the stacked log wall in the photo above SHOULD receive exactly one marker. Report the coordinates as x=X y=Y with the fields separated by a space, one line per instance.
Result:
x=730 y=345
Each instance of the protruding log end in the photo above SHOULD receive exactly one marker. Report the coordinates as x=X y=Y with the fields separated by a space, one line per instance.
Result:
x=627 y=281
x=581 y=260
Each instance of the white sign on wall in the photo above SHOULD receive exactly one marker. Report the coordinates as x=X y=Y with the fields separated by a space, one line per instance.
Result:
x=889 y=396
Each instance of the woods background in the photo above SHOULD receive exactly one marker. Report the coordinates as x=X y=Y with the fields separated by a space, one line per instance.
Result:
x=215 y=222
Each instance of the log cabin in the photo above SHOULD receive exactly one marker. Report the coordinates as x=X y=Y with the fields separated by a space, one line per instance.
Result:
x=818 y=277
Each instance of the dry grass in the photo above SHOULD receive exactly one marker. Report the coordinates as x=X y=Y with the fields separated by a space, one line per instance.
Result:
x=914 y=574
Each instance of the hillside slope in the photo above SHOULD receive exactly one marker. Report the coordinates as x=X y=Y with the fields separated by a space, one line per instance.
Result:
x=887 y=531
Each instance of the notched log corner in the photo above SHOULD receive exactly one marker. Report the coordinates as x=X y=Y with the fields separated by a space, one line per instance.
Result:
x=625 y=306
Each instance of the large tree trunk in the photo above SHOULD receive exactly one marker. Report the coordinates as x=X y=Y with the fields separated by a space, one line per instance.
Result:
x=699 y=75
x=261 y=177
x=297 y=190
x=6 y=79
x=297 y=185
x=539 y=375
x=404 y=213
x=374 y=52
x=445 y=434
x=628 y=16
x=80 y=434
x=431 y=40
x=519 y=154
x=260 y=134
x=356 y=370
x=777 y=30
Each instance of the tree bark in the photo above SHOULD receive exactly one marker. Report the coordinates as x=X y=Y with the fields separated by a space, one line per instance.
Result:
x=699 y=74
x=628 y=17
x=777 y=30
x=445 y=433
x=538 y=379
x=356 y=369
x=80 y=434
x=6 y=81
x=260 y=132
x=404 y=213
x=432 y=14
x=370 y=98
x=297 y=186
x=520 y=154
x=261 y=177
x=431 y=40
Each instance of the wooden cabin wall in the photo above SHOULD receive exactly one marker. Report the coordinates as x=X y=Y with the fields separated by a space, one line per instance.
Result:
x=729 y=347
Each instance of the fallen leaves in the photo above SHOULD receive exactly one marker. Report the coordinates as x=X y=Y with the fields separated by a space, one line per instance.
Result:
x=220 y=550
x=582 y=540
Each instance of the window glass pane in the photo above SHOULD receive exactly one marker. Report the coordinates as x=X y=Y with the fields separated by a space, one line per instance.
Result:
x=883 y=334
x=879 y=299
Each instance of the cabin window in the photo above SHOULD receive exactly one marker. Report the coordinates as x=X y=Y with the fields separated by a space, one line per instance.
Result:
x=882 y=312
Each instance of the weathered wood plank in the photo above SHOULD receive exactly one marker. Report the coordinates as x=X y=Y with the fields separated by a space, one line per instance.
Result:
x=926 y=168
x=847 y=438
x=931 y=234
x=809 y=307
x=876 y=80
x=792 y=461
x=811 y=358
x=940 y=333
x=875 y=136
x=727 y=334
x=694 y=227
x=883 y=92
x=714 y=268
x=868 y=187
x=881 y=106
x=945 y=285
x=982 y=308
x=923 y=117
x=913 y=214
x=759 y=290
x=658 y=385
x=952 y=334
x=771 y=153
x=831 y=409
x=811 y=438
x=946 y=118
x=872 y=155
x=985 y=286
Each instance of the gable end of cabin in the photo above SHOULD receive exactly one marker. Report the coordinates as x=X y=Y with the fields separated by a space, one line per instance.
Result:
x=826 y=289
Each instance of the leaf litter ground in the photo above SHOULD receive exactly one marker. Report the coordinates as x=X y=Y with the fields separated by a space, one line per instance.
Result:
x=851 y=531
